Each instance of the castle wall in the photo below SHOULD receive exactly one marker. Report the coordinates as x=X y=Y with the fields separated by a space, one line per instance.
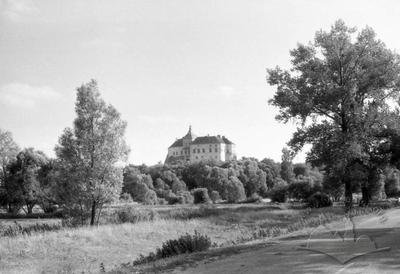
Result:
x=201 y=152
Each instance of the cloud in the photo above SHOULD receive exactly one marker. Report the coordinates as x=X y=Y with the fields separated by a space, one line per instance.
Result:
x=26 y=96
x=17 y=10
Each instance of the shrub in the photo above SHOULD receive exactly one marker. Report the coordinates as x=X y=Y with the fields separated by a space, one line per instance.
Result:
x=300 y=189
x=171 y=197
x=234 y=190
x=17 y=229
x=178 y=185
x=184 y=244
x=184 y=197
x=126 y=198
x=254 y=198
x=150 y=197
x=162 y=201
x=215 y=196
x=200 y=195
x=133 y=215
x=279 y=192
x=319 y=200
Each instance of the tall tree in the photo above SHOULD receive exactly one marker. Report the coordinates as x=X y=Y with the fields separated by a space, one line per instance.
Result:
x=334 y=89
x=8 y=151
x=90 y=152
x=286 y=172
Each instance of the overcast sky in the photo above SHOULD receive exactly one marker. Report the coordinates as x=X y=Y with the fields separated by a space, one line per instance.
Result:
x=164 y=65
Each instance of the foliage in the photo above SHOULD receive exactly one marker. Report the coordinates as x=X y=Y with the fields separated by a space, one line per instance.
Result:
x=88 y=154
x=17 y=229
x=185 y=244
x=185 y=197
x=200 y=196
x=8 y=151
x=318 y=200
x=303 y=186
x=337 y=89
x=333 y=186
x=132 y=215
x=279 y=193
x=126 y=198
x=286 y=171
x=392 y=182
x=22 y=185
x=214 y=195
x=178 y=185
x=271 y=169
x=234 y=190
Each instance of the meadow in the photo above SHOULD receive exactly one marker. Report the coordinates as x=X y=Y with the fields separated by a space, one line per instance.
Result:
x=83 y=249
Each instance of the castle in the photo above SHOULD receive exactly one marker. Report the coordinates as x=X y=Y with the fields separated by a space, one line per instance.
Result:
x=191 y=148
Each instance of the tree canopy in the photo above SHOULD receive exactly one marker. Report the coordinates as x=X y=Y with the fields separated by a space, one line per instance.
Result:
x=337 y=89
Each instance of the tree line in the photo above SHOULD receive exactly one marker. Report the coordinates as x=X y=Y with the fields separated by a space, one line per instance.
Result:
x=342 y=90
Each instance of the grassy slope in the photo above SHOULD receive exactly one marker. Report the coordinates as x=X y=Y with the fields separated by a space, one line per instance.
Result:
x=83 y=249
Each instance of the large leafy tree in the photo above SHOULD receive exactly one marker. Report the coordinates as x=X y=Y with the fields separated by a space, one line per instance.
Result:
x=336 y=89
x=89 y=154
x=8 y=151
x=22 y=186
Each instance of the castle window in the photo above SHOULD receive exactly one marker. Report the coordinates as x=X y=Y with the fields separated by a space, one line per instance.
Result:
x=194 y=151
x=216 y=149
x=204 y=151
x=210 y=150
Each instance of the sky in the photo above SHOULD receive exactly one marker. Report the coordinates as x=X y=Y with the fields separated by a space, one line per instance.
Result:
x=164 y=65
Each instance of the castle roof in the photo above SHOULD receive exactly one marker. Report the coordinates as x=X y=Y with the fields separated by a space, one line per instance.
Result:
x=226 y=141
x=177 y=143
x=211 y=140
x=189 y=135
x=207 y=140
x=201 y=140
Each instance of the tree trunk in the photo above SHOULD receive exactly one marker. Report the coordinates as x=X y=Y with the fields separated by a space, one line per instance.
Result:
x=93 y=213
x=348 y=202
x=365 y=196
x=29 y=208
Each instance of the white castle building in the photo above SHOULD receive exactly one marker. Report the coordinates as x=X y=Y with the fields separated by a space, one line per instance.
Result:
x=192 y=149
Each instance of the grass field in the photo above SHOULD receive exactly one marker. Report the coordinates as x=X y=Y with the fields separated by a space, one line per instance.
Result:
x=77 y=250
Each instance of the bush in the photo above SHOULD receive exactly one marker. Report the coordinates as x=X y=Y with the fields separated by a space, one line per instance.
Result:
x=201 y=196
x=178 y=185
x=279 y=192
x=184 y=244
x=319 y=200
x=184 y=197
x=300 y=189
x=150 y=197
x=215 y=196
x=17 y=229
x=133 y=215
x=171 y=197
x=254 y=198
x=162 y=201
x=234 y=190
x=126 y=198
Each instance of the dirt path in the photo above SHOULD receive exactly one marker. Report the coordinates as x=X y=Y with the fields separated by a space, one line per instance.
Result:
x=286 y=257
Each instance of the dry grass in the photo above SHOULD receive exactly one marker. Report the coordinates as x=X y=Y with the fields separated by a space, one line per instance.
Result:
x=84 y=249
